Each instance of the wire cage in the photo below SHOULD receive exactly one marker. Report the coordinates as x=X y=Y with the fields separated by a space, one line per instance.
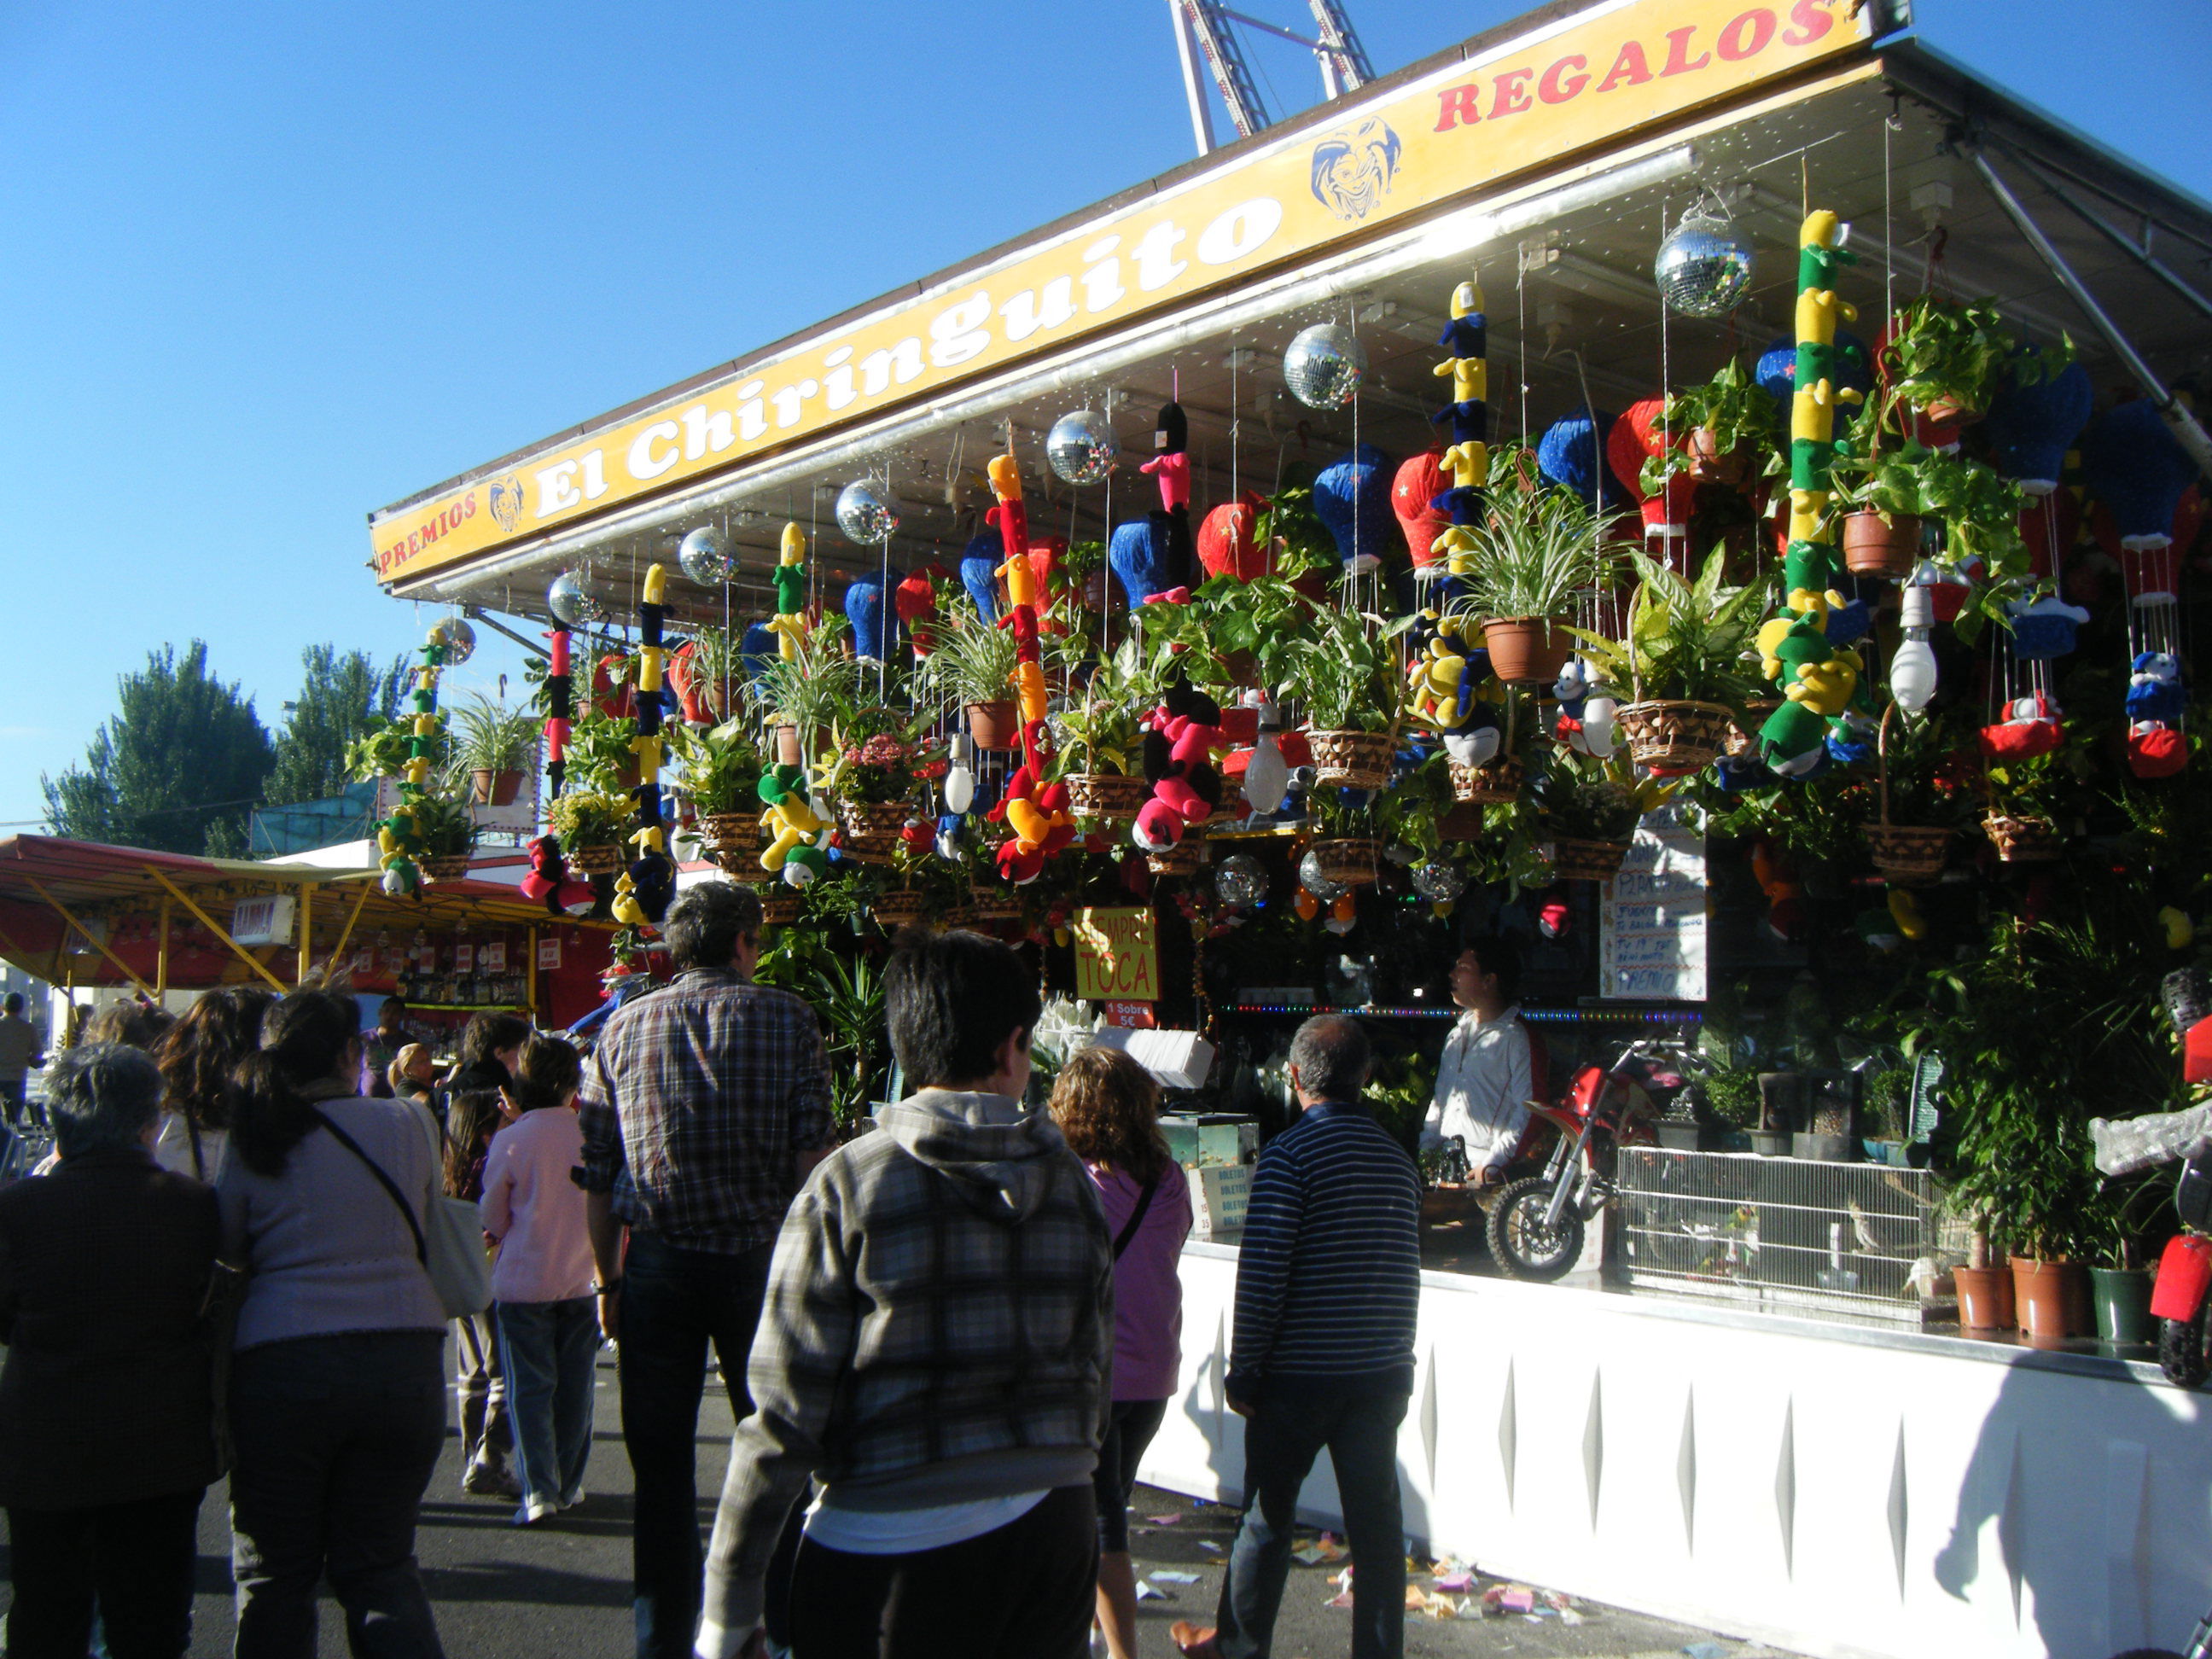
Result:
x=1844 y=1240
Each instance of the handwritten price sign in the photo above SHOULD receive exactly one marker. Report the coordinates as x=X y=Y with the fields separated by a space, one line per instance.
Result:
x=1117 y=956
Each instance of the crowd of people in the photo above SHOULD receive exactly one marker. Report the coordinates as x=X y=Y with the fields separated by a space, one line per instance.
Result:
x=948 y=1342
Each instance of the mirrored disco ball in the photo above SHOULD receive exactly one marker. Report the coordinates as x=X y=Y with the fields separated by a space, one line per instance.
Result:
x=1439 y=883
x=1324 y=366
x=706 y=557
x=1704 y=266
x=574 y=603
x=1319 y=885
x=864 y=516
x=1240 y=880
x=1080 y=447
x=458 y=637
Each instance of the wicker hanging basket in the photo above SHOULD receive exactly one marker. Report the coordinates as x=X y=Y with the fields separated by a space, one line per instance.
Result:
x=1185 y=858
x=1348 y=862
x=601 y=860
x=1108 y=796
x=1498 y=784
x=1905 y=855
x=1743 y=735
x=872 y=821
x=996 y=906
x=778 y=909
x=443 y=866
x=1574 y=860
x=2022 y=840
x=730 y=829
x=959 y=915
x=1352 y=760
x=893 y=911
x=740 y=864
x=1678 y=736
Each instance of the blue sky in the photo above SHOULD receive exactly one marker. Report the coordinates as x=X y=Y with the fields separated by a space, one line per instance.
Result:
x=270 y=266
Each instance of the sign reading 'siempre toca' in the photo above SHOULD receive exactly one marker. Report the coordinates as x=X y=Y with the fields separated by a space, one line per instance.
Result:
x=1599 y=73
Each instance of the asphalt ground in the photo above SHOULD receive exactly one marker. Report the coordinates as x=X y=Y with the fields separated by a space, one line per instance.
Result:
x=562 y=1590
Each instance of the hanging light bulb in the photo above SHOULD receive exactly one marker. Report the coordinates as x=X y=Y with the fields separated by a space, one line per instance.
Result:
x=1266 y=773
x=959 y=778
x=1912 y=669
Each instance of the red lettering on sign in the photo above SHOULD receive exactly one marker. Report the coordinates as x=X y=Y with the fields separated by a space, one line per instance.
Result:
x=1808 y=22
x=1552 y=89
x=1512 y=96
x=1629 y=69
x=1746 y=36
x=1456 y=108
x=1678 y=52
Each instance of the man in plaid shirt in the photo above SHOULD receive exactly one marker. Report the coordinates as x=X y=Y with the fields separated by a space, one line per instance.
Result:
x=704 y=1106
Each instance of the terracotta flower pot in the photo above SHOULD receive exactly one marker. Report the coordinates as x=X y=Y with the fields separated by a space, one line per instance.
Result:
x=1678 y=736
x=1527 y=650
x=1876 y=546
x=788 y=749
x=2049 y=1300
x=994 y=725
x=490 y=788
x=1710 y=463
x=1985 y=1297
x=1351 y=760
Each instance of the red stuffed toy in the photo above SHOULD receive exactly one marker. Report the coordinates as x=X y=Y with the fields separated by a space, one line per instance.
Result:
x=2029 y=728
x=548 y=880
x=1037 y=812
x=915 y=600
x=1179 y=765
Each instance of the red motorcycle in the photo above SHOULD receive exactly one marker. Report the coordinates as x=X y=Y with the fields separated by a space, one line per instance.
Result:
x=2179 y=1299
x=1537 y=1228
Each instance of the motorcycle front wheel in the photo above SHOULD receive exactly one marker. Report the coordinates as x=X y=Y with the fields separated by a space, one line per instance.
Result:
x=2182 y=1353
x=1522 y=1245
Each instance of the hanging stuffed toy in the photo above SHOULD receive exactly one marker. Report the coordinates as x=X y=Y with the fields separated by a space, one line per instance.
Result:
x=1170 y=524
x=684 y=680
x=548 y=880
x=875 y=630
x=1640 y=435
x=760 y=646
x=1229 y=541
x=1010 y=515
x=790 y=576
x=2156 y=748
x=1850 y=365
x=1419 y=480
x=2141 y=473
x=644 y=891
x=1817 y=678
x=799 y=834
x=1180 y=740
x=1353 y=503
x=1038 y=814
x=915 y=597
x=1585 y=720
x=979 y=572
x=1466 y=339
x=2030 y=728
x=2031 y=424
x=401 y=844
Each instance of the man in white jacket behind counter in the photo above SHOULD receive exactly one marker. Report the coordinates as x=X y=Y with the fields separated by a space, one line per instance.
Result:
x=1488 y=1072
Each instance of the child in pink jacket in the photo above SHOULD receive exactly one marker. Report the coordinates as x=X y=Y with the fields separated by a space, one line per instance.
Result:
x=541 y=1286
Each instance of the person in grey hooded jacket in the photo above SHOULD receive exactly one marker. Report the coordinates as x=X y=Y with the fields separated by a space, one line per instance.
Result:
x=935 y=1350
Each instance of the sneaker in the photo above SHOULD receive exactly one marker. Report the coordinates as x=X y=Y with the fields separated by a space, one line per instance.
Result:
x=485 y=1480
x=568 y=1500
x=535 y=1510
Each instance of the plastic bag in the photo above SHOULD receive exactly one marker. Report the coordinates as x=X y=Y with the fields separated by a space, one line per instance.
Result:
x=2137 y=1143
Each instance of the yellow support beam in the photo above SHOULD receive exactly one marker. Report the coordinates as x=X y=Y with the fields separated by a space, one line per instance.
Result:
x=209 y=922
x=161 y=955
x=345 y=937
x=98 y=943
x=306 y=931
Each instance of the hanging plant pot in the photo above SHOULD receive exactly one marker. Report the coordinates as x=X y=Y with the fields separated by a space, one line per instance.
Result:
x=867 y=850
x=1498 y=784
x=872 y=822
x=1743 y=735
x=740 y=864
x=1710 y=463
x=778 y=909
x=1463 y=823
x=1679 y=736
x=601 y=860
x=996 y=907
x=789 y=751
x=994 y=725
x=893 y=911
x=2024 y=840
x=1185 y=858
x=1348 y=861
x=1907 y=855
x=1876 y=546
x=1106 y=795
x=735 y=830
x=490 y=788
x=1575 y=860
x=1527 y=650
x=958 y=915
x=443 y=866
x=1352 y=760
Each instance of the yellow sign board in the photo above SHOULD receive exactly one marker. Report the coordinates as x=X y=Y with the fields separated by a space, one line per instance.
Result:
x=1563 y=88
x=1117 y=956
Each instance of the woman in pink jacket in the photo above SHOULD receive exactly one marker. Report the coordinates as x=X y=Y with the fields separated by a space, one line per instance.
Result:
x=1107 y=1107
x=541 y=1286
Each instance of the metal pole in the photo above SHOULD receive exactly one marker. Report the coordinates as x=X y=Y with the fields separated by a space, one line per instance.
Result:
x=2119 y=238
x=1201 y=118
x=2186 y=431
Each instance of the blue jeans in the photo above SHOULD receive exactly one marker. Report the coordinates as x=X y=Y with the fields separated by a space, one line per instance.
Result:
x=546 y=1351
x=1358 y=1420
x=336 y=1437
x=674 y=1303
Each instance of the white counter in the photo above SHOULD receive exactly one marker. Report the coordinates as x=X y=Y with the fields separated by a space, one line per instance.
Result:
x=1825 y=1488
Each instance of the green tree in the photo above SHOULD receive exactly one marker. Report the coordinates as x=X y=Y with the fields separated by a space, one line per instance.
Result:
x=178 y=767
x=341 y=698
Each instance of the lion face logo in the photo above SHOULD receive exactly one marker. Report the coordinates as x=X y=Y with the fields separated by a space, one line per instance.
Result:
x=506 y=502
x=1351 y=172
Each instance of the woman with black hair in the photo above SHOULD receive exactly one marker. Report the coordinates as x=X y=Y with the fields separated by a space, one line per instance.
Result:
x=338 y=1394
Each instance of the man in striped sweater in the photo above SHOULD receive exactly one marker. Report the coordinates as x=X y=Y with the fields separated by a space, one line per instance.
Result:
x=1328 y=1286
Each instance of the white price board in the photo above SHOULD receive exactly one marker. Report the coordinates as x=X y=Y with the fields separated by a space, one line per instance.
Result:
x=1653 y=924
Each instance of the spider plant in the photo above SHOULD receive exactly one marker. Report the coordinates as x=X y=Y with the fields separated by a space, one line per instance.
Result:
x=974 y=661
x=813 y=687
x=1535 y=552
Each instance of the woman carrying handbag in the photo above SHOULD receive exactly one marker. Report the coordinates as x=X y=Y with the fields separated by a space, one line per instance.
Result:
x=330 y=1201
